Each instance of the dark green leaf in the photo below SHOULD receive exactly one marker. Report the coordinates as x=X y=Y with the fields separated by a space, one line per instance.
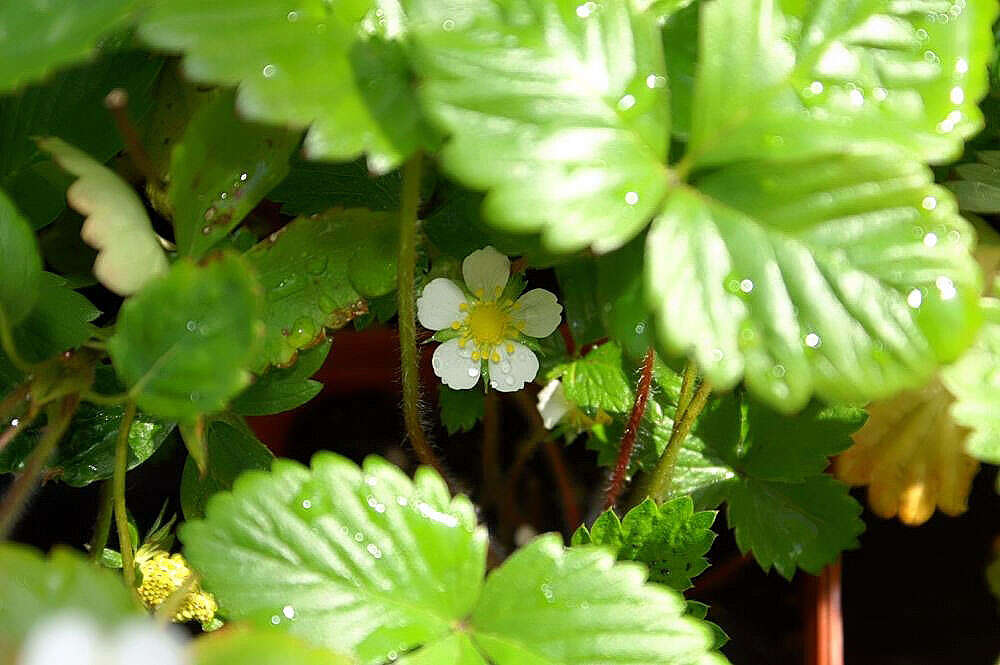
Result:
x=20 y=264
x=671 y=539
x=578 y=291
x=232 y=449
x=185 y=343
x=59 y=321
x=283 y=389
x=978 y=189
x=460 y=409
x=597 y=380
x=316 y=273
x=313 y=187
x=38 y=37
x=559 y=109
x=220 y=171
x=621 y=298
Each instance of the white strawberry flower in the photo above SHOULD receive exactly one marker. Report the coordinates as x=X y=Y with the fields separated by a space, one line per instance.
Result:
x=74 y=638
x=488 y=324
x=553 y=405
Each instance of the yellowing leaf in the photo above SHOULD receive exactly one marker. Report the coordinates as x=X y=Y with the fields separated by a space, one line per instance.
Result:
x=117 y=225
x=911 y=455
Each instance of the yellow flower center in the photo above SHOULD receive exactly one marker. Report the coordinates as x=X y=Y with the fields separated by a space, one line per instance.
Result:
x=488 y=325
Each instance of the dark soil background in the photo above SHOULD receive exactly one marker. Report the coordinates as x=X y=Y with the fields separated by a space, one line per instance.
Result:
x=911 y=596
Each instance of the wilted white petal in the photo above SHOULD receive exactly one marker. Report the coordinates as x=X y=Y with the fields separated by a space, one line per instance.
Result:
x=440 y=303
x=540 y=311
x=552 y=403
x=486 y=269
x=455 y=367
x=514 y=369
x=63 y=639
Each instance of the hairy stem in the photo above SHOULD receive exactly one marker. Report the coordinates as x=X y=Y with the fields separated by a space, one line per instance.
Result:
x=118 y=492
x=687 y=387
x=407 y=313
x=631 y=431
x=26 y=483
x=102 y=526
x=659 y=485
x=19 y=426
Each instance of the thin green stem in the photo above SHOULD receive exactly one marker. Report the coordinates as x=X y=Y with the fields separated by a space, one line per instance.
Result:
x=118 y=492
x=105 y=400
x=102 y=527
x=662 y=476
x=21 y=424
x=687 y=387
x=25 y=484
x=10 y=347
x=407 y=312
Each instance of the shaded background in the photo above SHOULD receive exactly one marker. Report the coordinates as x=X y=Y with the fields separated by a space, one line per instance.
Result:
x=911 y=596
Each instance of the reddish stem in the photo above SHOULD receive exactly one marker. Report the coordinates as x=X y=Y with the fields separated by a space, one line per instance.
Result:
x=567 y=338
x=827 y=628
x=631 y=431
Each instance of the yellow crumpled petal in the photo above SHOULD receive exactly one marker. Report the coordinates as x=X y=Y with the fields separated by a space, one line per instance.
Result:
x=163 y=574
x=911 y=455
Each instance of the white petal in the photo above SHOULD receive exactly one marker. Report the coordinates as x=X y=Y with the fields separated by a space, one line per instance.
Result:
x=65 y=638
x=552 y=403
x=454 y=365
x=514 y=369
x=142 y=641
x=486 y=269
x=540 y=311
x=440 y=304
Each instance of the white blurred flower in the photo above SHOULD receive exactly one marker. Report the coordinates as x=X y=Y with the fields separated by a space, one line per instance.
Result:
x=553 y=404
x=76 y=639
x=487 y=324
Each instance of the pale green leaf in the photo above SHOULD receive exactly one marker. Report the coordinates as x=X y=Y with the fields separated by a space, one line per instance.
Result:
x=20 y=264
x=558 y=108
x=184 y=344
x=260 y=647
x=117 y=226
x=846 y=277
x=597 y=380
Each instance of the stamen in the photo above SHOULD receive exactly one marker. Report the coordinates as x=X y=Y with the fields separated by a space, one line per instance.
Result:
x=464 y=307
x=455 y=325
x=495 y=357
x=479 y=293
x=475 y=356
x=510 y=348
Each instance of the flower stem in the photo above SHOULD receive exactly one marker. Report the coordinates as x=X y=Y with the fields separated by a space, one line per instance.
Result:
x=9 y=347
x=492 y=478
x=24 y=485
x=659 y=485
x=102 y=526
x=631 y=431
x=118 y=492
x=23 y=423
x=407 y=313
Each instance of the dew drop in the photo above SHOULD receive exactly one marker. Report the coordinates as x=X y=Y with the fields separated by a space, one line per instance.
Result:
x=626 y=102
x=191 y=325
x=206 y=230
x=717 y=355
x=812 y=340
x=957 y=95
x=210 y=214
x=655 y=81
x=930 y=240
x=914 y=298
x=586 y=9
x=448 y=25
x=962 y=66
x=880 y=94
x=293 y=16
x=778 y=371
x=307 y=504
x=816 y=87
x=857 y=99
x=946 y=287
x=631 y=198
x=374 y=550
x=288 y=611
x=14 y=422
x=929 y=203
x=275 y=620
x=746 y=285
x=269 y=71
x=473 y=371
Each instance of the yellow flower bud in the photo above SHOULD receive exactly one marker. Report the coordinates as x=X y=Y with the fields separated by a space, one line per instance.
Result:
x=163 y=574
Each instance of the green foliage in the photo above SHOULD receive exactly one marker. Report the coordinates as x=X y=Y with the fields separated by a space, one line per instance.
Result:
x=185 y=343
x=232 y=449
x=978 y=185
x=307 y=64
x=577 y=285
x=20 y=264
x=597 y=380
x=316 y=273
x=312 y=187
x=59 y=321
x=366 y=560
x=221 y=168
x=283 y=389
x=460 y=409
x=261 y=647
x=38 y=37
x=671 y=539
x=35 y=587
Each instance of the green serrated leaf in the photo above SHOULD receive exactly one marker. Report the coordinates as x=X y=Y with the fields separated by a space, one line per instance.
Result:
x=368 y=561
x=185 y=343
x=20 y=264
x=316 y=273
x=786 y=80
x=597 y=380
x=220 y=170
x=38 y=37
x=117 y=226
x=312 y=187
x=671 y=539
x=59 y=321
x=260 y=647
x=846 y=277
x=304 y=64
x=34 y=587
x=232 y=449
x=559 y=109
x=284 y=389
x=460 y=409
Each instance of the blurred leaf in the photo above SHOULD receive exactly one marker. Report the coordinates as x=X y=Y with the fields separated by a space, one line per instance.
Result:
x=185 y=343
x=671 y=539
x=220 y=170
x=232 y=449
x=65 y=252
x=34 y=587
x=283 y=389
x=847 y=277
x=59 y=321
x=622 y=300
x=299 y=67
x=260 y=647
x=313 y=187
x=680 y=49
x=317 y=271
x=460 y=409
x=117 y=226
x=20 y=264
x=597 y=380
x=978 y=189
x=193 y=434
x=578 y=291
x=38 y=37
x=560 y=110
